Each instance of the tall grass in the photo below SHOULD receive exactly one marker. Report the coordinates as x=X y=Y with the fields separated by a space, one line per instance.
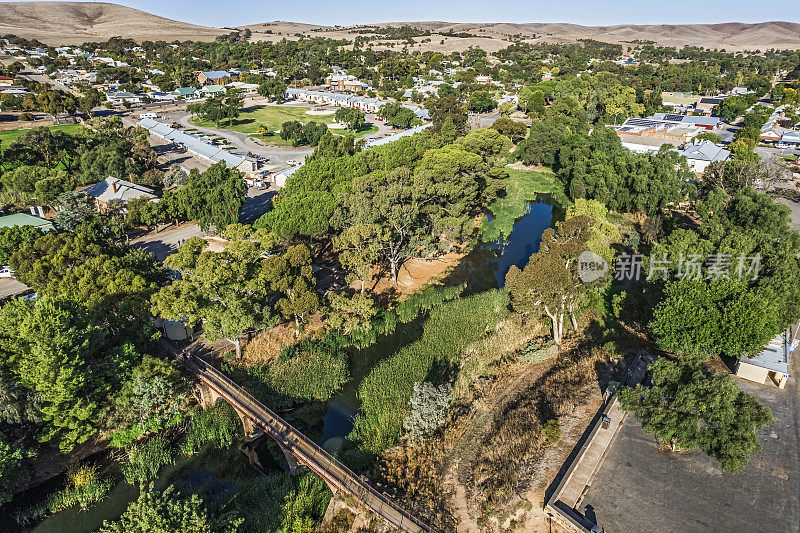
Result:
x=447 y=333
x=522 y=187
x=307 y=372
x=144 y=460
x=217 y=425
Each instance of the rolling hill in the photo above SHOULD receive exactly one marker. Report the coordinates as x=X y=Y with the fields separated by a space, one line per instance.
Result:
x=79 y=22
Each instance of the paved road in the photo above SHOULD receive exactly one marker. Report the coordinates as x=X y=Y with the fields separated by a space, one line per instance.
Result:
x=31 y=74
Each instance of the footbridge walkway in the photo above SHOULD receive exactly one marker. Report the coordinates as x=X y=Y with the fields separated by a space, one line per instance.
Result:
x=298 y=449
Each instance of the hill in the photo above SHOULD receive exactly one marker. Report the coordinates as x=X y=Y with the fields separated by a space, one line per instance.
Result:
x=732 y=36
x=79 y=22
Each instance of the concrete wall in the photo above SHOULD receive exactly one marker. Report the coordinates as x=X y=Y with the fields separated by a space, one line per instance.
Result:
x=752 y=372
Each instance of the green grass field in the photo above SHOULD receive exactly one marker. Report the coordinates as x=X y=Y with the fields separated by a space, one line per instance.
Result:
x=270 y=116
x=7 y=136
x=522 y=187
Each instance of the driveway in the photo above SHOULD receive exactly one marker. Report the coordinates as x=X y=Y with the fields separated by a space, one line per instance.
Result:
x=165 y=243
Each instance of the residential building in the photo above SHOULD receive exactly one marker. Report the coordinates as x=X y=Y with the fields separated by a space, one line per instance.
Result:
x=771 y=363
x=791 y=138
x=642 y=135
x=5 y=80
x=771 y=132
x=120 y=97
x=699 y=156
x=113 y=193
x=214 y=77
x=23 y=219
x=211 y=90
x=707 y=105
x=344 y=82
x=186 y=93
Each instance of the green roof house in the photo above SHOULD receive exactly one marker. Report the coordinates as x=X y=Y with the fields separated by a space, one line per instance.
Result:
x=22 y=219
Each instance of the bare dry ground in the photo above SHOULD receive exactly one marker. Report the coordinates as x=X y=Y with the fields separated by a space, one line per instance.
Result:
x=57 y=23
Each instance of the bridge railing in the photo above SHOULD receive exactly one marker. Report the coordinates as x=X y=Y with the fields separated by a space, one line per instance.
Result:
x=344 y=477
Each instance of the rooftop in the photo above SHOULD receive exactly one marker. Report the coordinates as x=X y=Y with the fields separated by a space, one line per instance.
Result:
x=114 y=189
x=705 y=151
x=23 y=219
x=774 y=356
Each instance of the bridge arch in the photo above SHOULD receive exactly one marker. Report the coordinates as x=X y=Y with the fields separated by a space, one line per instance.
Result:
x=252 y=430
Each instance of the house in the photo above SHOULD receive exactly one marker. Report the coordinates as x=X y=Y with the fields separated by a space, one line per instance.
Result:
x=772 y=362
x=113 y=193
x=120 y=97
x=791 y=138
x=212 y=90
x=214 y=77
x=483 y=80
x=771 y=132
x=344 y=82
x=5 y=80
x=699 y=156
x=707 y=105
x=186 y=93
x=23 y=219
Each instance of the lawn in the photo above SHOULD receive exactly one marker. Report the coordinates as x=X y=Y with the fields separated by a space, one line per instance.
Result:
x=9 y=135
x=270 y=116
x=522 y=187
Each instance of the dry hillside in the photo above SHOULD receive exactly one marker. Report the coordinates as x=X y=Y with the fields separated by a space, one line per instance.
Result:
x=494 y=36
x=79 y=22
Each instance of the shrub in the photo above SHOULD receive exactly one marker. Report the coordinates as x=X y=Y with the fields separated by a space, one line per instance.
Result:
x=428 y=408
x=216 y=425
x=143 y=461
x=551 y=431
x=85 y=486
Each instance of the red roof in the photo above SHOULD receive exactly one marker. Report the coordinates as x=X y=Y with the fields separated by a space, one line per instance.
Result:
x=6 y=78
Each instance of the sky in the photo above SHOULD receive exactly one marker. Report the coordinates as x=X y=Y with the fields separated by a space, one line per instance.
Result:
x=588 y=12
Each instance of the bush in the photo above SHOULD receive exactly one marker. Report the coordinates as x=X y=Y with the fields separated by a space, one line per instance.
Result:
x=428 y=408
x=25 y=117
x=84 y=487
x=217 y=425
x=144 y=460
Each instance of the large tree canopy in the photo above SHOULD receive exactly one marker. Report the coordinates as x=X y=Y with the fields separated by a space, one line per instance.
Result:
x=691 y=407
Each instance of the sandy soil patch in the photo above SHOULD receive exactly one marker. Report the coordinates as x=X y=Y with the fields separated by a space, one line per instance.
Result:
x=412 y=275
x=323 y=112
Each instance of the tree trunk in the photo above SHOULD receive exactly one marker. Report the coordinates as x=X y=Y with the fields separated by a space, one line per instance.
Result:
x=237 y=343
x=362 y=286
x=556 y=330
x=297 y=325
x=572 y=316
x=393 y=266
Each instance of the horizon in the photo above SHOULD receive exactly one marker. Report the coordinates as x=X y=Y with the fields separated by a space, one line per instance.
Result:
x=351 y=13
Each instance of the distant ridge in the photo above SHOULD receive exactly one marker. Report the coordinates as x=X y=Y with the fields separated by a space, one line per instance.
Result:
x=77 y=22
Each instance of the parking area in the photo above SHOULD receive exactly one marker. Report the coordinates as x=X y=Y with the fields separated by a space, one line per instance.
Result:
x=639 y=488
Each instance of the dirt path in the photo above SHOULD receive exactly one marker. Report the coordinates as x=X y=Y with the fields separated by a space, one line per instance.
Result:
x=466 y=446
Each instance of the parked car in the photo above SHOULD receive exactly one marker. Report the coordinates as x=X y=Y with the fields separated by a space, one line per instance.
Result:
x=292 y=163
x=6 y=272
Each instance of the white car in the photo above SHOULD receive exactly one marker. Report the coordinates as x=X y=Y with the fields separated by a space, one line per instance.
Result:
x=6 y=272
x=292 y=163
